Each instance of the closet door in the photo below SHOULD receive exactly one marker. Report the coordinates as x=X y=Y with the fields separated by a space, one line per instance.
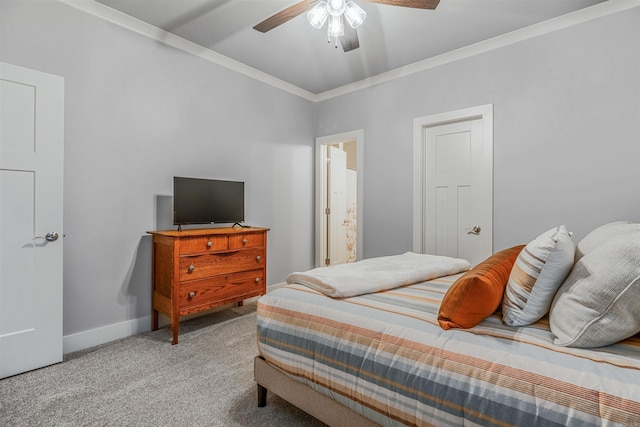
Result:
x=31 y=179
x=450 y=190
x=453 y=206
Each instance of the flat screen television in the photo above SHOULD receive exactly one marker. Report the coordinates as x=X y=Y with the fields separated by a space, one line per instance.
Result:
x=206 y=201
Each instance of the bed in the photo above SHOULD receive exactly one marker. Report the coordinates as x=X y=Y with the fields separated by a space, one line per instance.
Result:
x=384 y=358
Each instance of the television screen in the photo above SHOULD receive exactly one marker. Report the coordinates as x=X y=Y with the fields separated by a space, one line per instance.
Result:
x=206 y=201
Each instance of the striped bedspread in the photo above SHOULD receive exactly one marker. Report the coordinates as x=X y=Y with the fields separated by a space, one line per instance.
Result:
x=385 y=356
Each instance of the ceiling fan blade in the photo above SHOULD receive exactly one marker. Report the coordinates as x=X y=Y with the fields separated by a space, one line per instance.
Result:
x=417 y=4
x=284 y=15
x=350 y=39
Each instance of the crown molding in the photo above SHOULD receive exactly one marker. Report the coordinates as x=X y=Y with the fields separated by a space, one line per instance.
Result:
x=599 y=10
x=584 y=15
x=126 y=21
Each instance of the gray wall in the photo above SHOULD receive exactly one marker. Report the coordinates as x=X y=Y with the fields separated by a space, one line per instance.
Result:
x=566 y=132
x=138 y=112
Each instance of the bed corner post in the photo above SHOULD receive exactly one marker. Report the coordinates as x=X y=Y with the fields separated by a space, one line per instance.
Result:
x=258 y=366
x=262 y=396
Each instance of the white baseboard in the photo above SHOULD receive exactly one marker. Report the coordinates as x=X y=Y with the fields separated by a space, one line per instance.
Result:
x=104 y=334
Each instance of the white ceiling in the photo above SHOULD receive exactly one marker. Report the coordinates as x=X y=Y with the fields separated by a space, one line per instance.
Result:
x=391 y=36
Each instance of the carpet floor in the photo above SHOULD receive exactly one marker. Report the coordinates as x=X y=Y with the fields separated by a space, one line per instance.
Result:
x=143 y=380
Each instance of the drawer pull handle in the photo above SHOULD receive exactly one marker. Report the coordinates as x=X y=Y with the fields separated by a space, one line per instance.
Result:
x=191 y=268
x=245 y=241
x=192 y=294
x=257 y=280
x=209 y=244
x=258 y=258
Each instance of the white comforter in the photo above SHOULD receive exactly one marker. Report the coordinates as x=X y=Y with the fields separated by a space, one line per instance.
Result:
x=378 y=274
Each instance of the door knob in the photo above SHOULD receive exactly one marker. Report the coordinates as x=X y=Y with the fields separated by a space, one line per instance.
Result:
x=475 y=230
x=51 y=236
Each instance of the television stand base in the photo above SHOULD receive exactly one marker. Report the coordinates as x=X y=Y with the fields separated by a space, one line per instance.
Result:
x=240 y=225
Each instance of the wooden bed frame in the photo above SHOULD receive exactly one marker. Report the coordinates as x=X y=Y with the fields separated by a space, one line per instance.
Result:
x=304 y=397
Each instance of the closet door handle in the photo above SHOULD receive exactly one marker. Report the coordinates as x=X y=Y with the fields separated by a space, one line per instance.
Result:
x=475 y=230
x=51 y=236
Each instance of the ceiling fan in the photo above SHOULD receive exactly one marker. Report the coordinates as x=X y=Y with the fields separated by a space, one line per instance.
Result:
x=334 y=10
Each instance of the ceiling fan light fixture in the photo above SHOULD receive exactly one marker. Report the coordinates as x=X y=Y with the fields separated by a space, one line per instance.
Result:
x=355 y=14
x=335 y=27
x=318 y=15
x=319 y=11
x=336 y=7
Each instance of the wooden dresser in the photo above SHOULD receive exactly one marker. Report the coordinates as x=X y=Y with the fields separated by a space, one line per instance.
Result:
x=195 y=270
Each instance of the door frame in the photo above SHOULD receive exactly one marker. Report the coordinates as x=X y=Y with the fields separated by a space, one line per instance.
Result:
x=321 y=189
x=482 y=112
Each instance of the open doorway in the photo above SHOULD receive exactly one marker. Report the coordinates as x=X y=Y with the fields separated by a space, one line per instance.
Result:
x=339 y=198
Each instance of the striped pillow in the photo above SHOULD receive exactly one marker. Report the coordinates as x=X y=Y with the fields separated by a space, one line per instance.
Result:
x=536 y=276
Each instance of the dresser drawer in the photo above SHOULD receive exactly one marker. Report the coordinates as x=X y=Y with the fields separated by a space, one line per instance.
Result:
x=219 y=290
x=249 y=240
x=207 y=265
x=197 y=245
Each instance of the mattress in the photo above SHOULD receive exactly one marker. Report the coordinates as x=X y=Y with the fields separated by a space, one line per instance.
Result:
x=384 y=356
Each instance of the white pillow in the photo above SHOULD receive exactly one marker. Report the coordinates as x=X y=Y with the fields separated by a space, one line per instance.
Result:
x=537 y=274
x=599 y=303
x=603 y=233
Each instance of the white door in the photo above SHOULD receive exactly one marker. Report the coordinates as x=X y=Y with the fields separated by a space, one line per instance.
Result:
x=457 y=190
x=31 y=178
x=337 y=204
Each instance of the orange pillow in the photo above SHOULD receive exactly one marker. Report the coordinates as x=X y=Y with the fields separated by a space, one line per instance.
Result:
x=478 y=293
